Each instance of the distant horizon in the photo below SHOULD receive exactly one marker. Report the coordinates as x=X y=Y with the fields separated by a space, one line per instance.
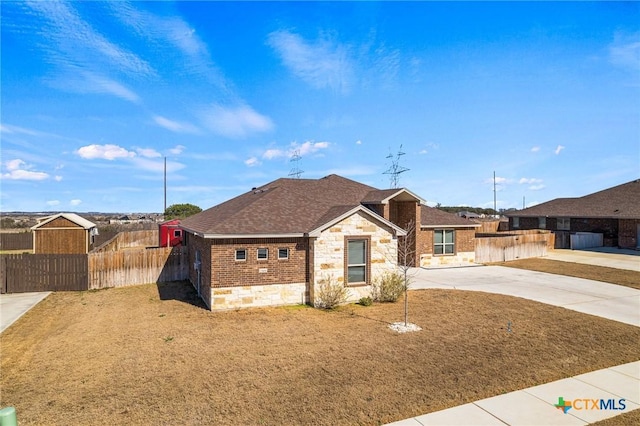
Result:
x=95 y=96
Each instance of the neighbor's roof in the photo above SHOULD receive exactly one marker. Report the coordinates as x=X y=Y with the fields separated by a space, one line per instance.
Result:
x=78 y=220
x=431 y=217
x=286 y=207
x=618 y=202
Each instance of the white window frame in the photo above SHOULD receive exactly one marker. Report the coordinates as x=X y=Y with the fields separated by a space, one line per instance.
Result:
x=266 y=253
x=176 y=233
x=244 y=259
x=286 y=250
x=444 y=242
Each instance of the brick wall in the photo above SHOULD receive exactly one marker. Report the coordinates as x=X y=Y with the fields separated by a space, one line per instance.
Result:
x=202 y=245
x=628 y=233
x=228 y=272
x=608 y=227
x=464 y=248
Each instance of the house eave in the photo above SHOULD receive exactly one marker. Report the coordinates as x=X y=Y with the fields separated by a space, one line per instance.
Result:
x=242 y=236
x=477 y=225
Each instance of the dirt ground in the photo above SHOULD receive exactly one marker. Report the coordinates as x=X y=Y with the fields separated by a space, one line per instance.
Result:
x=151 y=354
x=580 y=270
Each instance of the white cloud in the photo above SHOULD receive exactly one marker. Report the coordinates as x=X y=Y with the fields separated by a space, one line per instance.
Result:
x=625 y=51
x=536 y=187
x=174 y=126
x=322 y=64
x=235 y=122
x=105 y=152
x=558 y=149
x=535 y=149
x=308 y=147
x=177 y=150
x=424 y=151
x=529 y=180
x=253 y=161
x=358 y=142
x=53 y=203
x=75 y=202
x=19 y=170
x=148 y=152
x=58 y=178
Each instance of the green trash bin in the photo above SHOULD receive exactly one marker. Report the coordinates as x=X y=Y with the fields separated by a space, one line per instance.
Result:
x=8 y=417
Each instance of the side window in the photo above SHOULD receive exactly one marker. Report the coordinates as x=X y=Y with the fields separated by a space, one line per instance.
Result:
x=516 y=222
x=357 y=261
x=444 y=241
x=241 y=254
x=263 y=253
x=283 y=253
x=542 y=222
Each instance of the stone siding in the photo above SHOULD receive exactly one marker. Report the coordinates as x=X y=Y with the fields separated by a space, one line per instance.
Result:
x=253 y=296
x=329 y=253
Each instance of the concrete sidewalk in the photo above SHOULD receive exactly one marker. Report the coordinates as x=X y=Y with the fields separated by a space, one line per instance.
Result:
x=610 y=301
x=13 y=306
x=537 y=405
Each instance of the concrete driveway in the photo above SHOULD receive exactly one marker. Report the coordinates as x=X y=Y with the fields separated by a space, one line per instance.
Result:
x=602 y=256
x=610 y=301
x=13 y=306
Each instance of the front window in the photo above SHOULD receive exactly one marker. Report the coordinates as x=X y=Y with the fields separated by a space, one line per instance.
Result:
x=444 y=241
x=516 y=222
x=283 y=253
x=564 y=224
x=356 y=261
x=542 y=223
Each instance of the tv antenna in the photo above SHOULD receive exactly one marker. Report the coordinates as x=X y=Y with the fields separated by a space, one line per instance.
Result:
x=295 y=159
x=395 y=170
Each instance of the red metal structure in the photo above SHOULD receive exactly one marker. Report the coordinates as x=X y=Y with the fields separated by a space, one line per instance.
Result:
x=170 y=233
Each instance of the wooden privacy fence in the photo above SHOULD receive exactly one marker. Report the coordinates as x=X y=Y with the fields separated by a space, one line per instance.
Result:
x=503 y=248
x=137 y=266
x=16 y=241
x=130 y=239
x=22 y=273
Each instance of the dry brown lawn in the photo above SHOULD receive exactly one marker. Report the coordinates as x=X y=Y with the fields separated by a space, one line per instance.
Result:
x=152 y=355
x=579 y=270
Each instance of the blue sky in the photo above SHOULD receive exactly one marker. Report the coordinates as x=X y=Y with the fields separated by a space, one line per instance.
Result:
x=95 y=95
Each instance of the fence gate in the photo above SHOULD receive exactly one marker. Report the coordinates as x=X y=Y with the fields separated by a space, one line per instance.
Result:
x=24 y=273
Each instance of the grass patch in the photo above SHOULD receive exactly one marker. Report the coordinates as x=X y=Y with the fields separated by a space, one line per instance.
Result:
x=580 y=270
x=109 y=361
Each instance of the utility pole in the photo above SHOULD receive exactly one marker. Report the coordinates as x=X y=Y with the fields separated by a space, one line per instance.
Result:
x=395 y=169
x=165 y=186
x=495 y=205
x=523 y=202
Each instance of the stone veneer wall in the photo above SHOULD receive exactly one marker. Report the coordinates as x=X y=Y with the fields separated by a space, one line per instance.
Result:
x=258 y=296
x=329 y=252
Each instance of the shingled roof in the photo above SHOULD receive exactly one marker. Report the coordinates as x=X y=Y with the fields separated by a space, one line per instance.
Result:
x=431 y=217
x=282 y=207
x=618 y=202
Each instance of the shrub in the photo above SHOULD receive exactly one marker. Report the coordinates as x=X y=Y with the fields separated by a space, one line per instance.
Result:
x=365 y=301
x=388 y=287
x=330 y=294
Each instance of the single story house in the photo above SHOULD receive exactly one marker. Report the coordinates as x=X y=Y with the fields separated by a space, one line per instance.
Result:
x=612 y=212
x=276 y=244
x=63 y=233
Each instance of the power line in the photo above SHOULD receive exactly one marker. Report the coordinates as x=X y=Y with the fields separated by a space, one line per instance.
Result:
x=295 y=171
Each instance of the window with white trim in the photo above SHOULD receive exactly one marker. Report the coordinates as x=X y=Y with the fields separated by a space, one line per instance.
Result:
x=176 y=233
x=516 y=222
x=283 y=253
x=263 y=253
x=241 y=254
x=356 y=261
x=563 y=224
x=444 y=241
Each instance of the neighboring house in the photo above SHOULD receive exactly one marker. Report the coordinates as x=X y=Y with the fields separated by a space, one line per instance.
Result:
x=469 y=215
x=63 y=233
x=279 y=243
x=170 y=233
x=613 y=212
